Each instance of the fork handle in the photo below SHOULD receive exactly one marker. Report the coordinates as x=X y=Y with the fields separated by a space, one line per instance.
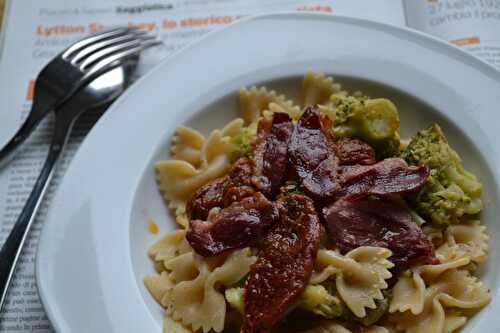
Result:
x=12 y=247
x=36 y=114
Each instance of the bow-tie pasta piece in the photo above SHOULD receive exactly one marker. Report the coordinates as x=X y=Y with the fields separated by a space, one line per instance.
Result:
x=174 y=177
x=408 y=294
x=178 y=180
x=468 y=240
x=432 y=319
x=462 y=290
x=197 y=301
x=455 y=289
x=186 y=145
x=172 y=326
x=216 y=151
x=324 y=273
x=255 y=100
x=464 y=241
x=169 y=246
x=195 y=160
x=360 y=275
x=432 y=272
x=233 y=128
x=158 y=285
x=183 y=267
x=169 y=250
x=453 y=321
x=317 y=88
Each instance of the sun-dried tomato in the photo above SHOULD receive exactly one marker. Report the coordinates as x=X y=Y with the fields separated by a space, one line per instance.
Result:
x=284 y=265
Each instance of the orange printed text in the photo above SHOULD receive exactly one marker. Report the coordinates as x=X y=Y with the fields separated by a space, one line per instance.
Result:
x=466 y=41
x=148 y=26
x=204 y=21
x=59 y=30
x=316 y=8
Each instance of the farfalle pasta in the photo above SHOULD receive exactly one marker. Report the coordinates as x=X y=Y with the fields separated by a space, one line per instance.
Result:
x=189 y=286
x=408 y=294
x=359 y=275
x=317 y=220
x=186 y=145
x=317 y=88
x=255 y=100
x=178 y=179
x=452 y=291
x=469 y=240
x=195 y=301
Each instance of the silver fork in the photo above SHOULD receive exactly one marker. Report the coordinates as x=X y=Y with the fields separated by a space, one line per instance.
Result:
x=77 y=77
x=72 y=69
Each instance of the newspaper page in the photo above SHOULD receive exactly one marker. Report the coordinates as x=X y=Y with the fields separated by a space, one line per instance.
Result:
x=471 y=24
x=35 y=31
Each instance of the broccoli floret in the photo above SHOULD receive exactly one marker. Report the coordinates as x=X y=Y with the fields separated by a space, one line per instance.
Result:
x=375 y=121
x=243 y=142
x=318 y=300
x=451 y=191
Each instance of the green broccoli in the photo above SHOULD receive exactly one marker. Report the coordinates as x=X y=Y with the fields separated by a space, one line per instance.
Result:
x=243 y=142
x=451 y=191
x=375 y=121
x=318 y=300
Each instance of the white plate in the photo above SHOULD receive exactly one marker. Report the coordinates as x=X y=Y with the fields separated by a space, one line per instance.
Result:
x=92 y=253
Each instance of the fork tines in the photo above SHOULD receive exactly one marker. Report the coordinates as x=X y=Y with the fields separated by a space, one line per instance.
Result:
x=98 y=52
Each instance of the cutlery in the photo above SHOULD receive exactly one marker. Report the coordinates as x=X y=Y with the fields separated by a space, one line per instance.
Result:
x=98 y=93
x=72 y=69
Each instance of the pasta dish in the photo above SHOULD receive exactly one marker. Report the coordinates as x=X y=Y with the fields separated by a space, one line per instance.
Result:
x=318 y=218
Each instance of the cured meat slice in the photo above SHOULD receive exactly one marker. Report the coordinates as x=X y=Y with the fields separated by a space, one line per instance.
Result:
x=206 y=197
x=284 y=265
x=236 y=226
x=271 y=153
x=366 y=222
x=354 y=151
x=222 y=191
x=389 y=176
x=312 y=155
x=265 y=172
